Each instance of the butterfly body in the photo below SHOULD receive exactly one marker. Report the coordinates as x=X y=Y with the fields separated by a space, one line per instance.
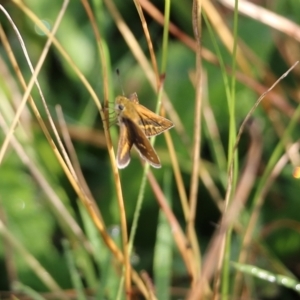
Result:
x=137 y=123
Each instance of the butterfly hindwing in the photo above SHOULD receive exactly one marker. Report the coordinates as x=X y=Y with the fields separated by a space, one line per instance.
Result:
x=143 y=146
x=125 y=144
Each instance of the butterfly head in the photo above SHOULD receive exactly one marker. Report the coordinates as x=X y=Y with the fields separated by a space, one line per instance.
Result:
x=120 y=104
x=124 y=108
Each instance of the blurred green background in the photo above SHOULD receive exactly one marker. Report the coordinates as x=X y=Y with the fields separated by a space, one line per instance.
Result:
x=25 y=209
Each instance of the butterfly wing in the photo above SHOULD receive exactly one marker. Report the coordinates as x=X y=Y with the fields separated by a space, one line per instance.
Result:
x=125 y=144
x=134 y=98
x=142 y=144
x=151 y=123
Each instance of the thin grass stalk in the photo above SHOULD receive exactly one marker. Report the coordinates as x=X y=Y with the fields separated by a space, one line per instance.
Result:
x=232 y=211
x=149 y=41
x=222 y=245
x=131 y=42
x=194 y=183
x=179 y=180
x=74 y=158
x=232 y=155
x=8 y=255
x=36 y=267
x=275 y=263
x=31 y=166
x=289 y=282
x=261 y=189
x=269 y=90
x=26 y=290
x=87 y=262
x=100 y=226
x=221 y=61
x=213 y=132
x=86 y=265
x=55 y=201
x=248 y=176
x=146 y=167
x=149 y=284
x=75 y=277
x=163 y=251
x=260 y=192
x=265 y=16
x=178 y=177
x=165 y=41
x=136 y=50
x=64 y=217
x=33 y=71
x=142 y=185
x=141 y=192
x=143 y=62
x=176 y=32
x=217 y=149
x=179 y=237
x=225 y=35
x=111 y=153
x=63 y=53
x=138 y=207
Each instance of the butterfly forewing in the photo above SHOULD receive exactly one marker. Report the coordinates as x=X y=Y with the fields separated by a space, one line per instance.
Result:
x=151 y=123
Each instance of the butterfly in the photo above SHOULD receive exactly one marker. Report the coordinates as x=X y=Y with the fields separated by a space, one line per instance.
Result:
x=137 y=123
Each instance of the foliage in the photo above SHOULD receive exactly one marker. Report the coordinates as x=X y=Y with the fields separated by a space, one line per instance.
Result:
x=220 y=197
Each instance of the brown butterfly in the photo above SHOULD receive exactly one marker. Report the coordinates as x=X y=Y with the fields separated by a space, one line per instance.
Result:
x=137 y=123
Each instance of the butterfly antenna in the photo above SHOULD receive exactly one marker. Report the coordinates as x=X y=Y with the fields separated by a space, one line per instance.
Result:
x=120 y=82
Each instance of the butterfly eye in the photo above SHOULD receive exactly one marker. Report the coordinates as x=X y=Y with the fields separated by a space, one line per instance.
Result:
x=120 y=106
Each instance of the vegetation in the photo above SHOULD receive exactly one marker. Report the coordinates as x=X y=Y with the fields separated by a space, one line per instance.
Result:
x=219 y=219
